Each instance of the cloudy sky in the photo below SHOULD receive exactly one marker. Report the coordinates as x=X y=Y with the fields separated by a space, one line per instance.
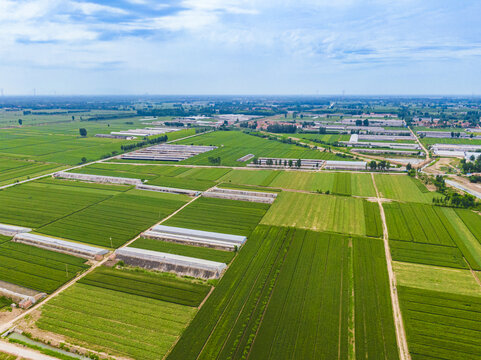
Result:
x=240 y=47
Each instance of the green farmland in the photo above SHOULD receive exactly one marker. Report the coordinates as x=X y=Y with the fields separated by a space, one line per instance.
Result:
x=170 y=176
x=86 y=315
x=403 y=188
x=324 y=213
x=290 y=318
x=434 y=227
x=220 y=215
x=312 y=281
x=35 y=268
x=104 y=215
x=441 y=325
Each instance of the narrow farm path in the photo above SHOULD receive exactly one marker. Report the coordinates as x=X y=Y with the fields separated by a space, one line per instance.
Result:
x=398 y=321
x=24 y=352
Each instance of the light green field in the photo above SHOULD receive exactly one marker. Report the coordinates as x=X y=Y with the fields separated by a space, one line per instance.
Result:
x=318 y=212
x=342 y=183
x=436 y=278
x=403 y=188
x=250 y=177
x=469 y=240
x=124 y=324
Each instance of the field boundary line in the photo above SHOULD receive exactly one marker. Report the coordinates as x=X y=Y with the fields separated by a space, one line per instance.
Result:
x=398 y=320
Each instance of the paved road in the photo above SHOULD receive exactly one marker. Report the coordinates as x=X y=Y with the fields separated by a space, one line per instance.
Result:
x=24 y=352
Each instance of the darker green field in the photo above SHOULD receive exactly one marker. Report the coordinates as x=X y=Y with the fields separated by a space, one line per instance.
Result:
x=147 y=284
x=290 y=294
x=35 y=268
x=441 y=325
x=220 y=215
x=170 y=176
x=114 y=221
x=427 y=254
x=184 y=250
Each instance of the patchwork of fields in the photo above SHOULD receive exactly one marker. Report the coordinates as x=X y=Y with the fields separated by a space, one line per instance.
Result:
x=271 y=313
x=311 y=282
x=104 y=215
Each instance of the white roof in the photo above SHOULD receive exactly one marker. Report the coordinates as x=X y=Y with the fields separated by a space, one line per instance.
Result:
x=171 y=259
x=12 y=229
x=46 y=240
x=198 y=233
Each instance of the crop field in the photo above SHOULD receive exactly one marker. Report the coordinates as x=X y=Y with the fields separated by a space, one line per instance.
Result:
x=86 y=212
x=35 y=204
x=441 y=325
x=12 y=170
x=35 y=268
x=428 y=254
x=458 y=281
x=432 y=225
x=31 y=151
x=403 y=188
x=114 y=221
x=270 y=313
x=170 y=176
x=116 y=322
x=184 y=250
x=232 y=145
x=323 y=213
x=148 y=284
x=220 y=215
x=251 y=177
x=457 y=141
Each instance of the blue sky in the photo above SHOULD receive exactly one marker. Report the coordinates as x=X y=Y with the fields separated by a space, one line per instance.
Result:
x=240 y=47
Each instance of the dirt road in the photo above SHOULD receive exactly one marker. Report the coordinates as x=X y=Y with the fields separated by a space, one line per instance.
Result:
x=398 y=321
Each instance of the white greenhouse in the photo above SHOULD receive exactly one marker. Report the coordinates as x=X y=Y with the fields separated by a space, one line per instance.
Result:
x=11 y=230
x=62 y=246
x=182 y=265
